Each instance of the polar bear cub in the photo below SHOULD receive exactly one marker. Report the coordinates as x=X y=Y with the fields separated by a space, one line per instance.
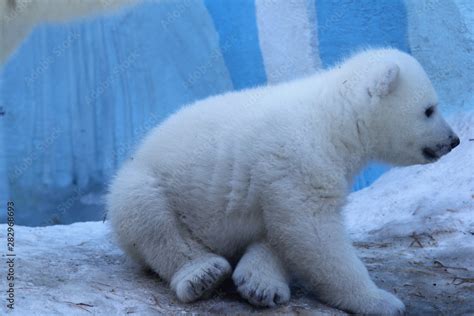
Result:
x=257 y=179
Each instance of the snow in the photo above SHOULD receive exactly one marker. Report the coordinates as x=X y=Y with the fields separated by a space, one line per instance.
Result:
x=414 y=229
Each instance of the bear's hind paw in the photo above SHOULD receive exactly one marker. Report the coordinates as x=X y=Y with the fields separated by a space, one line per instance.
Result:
x=199 y=277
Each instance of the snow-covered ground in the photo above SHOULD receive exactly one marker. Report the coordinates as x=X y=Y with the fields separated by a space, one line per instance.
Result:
x=414 y=229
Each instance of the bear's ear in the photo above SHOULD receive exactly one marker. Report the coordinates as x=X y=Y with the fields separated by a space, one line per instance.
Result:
x=384 y=81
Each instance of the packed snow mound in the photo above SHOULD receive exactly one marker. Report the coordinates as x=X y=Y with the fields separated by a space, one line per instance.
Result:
x=414 y=229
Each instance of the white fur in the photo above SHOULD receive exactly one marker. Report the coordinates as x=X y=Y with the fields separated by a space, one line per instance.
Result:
x=19 y=17
x=262 y=174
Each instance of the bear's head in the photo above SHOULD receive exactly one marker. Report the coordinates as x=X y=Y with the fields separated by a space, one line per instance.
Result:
x=405 y=123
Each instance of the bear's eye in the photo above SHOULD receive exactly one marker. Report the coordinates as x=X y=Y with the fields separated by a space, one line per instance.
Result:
x=429 y=111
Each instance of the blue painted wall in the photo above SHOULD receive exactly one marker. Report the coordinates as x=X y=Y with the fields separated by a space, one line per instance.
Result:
x=76 y=98
x=236 y=25
x=345 y=26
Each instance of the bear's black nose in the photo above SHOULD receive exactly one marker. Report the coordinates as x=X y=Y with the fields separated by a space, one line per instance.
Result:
x=455 y=141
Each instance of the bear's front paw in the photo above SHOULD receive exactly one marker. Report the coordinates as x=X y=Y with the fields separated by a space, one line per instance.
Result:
x=383 y=303
x=261 y=290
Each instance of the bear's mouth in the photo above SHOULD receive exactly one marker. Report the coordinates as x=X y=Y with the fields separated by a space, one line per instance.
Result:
x=430 y=154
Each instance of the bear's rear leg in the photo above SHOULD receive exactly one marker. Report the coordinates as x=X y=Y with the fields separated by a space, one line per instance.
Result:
x=198 y=277
x=190 y=268
x=148 y=230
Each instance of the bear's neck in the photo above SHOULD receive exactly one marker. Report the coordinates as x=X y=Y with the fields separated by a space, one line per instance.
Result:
x=344 y=119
